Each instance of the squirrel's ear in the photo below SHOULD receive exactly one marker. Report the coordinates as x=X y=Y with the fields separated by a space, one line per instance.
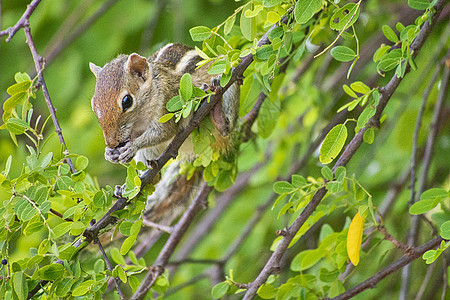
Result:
x=137 y=64
x=95 y=69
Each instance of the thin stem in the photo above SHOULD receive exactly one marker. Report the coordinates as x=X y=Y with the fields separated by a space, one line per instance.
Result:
x=38 y=62
x=110 y=267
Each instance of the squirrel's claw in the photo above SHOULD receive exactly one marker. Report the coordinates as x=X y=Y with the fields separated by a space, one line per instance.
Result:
x=112 y=154
x=127 y=152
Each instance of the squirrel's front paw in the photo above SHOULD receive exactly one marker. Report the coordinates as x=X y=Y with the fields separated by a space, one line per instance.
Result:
x=112 y=154
x=127 y=152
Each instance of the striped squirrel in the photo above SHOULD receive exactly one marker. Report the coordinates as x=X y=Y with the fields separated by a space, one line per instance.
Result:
x=131 y=94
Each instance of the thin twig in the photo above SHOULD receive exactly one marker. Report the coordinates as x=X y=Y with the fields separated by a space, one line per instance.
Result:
x=38 y=62
x=110 y=267
x=405 y=248
x=23 y=21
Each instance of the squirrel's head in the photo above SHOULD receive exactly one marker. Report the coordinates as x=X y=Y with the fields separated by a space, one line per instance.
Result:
x=120 y=86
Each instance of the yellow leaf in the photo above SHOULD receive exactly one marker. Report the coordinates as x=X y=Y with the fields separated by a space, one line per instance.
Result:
x=354 y=238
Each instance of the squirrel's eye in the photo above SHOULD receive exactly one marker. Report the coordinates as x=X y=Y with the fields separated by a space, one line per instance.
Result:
x=127 y=101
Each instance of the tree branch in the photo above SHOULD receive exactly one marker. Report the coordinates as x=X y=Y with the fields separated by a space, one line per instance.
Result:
x=398 y=264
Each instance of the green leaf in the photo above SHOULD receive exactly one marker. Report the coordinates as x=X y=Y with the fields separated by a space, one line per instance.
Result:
x=134 y=230
x=117 y=257
x=390 y=34
x=46 y=160
x=268 y=117
x=83 y=288
x=19 y=77
x=15 y=128
x=200 y=33
x=273 y=17
x=248 y=25
x=328 y=276
x=99 y=266
x=365 y=116
x=20 y=285
x=343 y=53
x=186 y=88
x=267 y=291
x=13 y=101
x=67 y=252
x=336 y=288
x=24 y=210
x=445 y=230
x=369 y=136
x=77 y=228
x=166 y=118
x=174 y=104
x=327 y=173
x=64 y=183
x=61 y=229
x=311 y=258
x=419 y=4
x=81 y=163
x=20 y=87
x=428 y=200
x=298 y=181
x=218 y=67
x=285 y=209
x=127 y=244
x=281 y=187
x=121 y=274
x=64 y=287
x=333 y=143
x=253 y=13
x=33 y=226
x=134 y=282
x=435 y=194
x=51 y=272
x=360 y=87
x=344 y=17
x=304 y=10
x=229 y=24
x=340 y=173
x=220 y=289
x=390 y=60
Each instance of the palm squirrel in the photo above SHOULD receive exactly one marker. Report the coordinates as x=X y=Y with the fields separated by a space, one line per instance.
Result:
x=131 y=94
